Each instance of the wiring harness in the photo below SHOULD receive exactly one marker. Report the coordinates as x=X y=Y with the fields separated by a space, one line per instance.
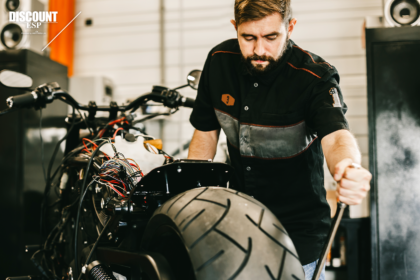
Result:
x=120 y=174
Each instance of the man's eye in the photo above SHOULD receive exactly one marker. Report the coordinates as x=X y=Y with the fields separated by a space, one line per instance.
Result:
x=249 y=38
x=272 y=37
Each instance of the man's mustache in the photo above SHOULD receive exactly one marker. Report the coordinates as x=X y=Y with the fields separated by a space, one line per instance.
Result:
x=258 y=57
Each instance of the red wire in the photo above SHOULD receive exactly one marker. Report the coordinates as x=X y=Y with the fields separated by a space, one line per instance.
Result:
x=132 y=164
x=87 y=149
x=93 y=148
x=116 y=182
x=102 y=131
x=116 y=131
x=85 y=139
x=116 y=121
x=115 y=190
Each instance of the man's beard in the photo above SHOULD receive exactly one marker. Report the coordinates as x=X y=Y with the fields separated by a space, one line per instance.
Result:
x=259 y=69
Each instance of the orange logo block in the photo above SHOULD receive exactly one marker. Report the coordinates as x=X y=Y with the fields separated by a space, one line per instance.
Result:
x=228 y=99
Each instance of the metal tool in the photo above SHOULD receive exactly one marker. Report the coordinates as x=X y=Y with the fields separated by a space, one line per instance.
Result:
x=333 y=230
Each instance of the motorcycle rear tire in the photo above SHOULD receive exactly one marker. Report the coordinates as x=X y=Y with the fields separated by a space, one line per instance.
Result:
x=219 y=233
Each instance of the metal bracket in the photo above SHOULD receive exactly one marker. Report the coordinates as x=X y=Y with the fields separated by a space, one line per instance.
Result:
x=114 y=110
x=92 y=110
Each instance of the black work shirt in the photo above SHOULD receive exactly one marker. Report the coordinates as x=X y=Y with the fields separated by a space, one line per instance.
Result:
x=274 y=125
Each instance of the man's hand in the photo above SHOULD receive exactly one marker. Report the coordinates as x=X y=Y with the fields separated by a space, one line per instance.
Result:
x=353 y=183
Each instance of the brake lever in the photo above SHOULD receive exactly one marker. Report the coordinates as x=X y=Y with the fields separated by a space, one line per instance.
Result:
x=172 y=98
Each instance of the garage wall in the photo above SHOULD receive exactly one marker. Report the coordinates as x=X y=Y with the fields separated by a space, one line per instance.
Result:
x=123 y=44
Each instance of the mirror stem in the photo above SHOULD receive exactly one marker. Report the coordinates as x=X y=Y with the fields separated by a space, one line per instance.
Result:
x=181 y=87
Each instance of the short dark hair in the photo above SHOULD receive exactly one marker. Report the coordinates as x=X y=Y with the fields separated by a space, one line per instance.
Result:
x=252 y=10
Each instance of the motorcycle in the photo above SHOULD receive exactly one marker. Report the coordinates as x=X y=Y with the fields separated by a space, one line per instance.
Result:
x=129 y=210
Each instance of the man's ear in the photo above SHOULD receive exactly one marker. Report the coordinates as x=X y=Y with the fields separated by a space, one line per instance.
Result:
x=234 y=24
x=292 y=24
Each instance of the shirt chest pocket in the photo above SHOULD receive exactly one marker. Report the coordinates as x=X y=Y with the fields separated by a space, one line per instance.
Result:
x=280 y=136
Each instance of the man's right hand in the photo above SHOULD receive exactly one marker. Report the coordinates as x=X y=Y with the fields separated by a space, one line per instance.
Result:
x=203 y=144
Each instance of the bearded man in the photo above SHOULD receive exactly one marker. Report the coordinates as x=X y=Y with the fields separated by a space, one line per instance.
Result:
x=282 y=111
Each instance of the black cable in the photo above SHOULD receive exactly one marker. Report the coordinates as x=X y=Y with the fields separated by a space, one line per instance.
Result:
x=150 y=117
x=49 y=179
x=83 y=191
x=4 y=112
x=84 y=120
x=94 y=246
x=37 y=264
x=42 y=146
x=69 y=155
x=59 y=143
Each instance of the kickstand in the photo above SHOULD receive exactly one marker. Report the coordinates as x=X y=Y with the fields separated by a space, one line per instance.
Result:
x=329 y=241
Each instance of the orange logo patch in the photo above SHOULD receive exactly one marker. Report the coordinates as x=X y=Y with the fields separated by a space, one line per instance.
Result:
x=228 y=99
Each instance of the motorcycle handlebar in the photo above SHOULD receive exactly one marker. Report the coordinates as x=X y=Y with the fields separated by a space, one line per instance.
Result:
x=23 y=100
x=30 y=99
x=189 y=102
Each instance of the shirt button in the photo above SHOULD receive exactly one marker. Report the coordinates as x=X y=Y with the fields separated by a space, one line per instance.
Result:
x=246 y=108
x=248 y=168
x=256 y=85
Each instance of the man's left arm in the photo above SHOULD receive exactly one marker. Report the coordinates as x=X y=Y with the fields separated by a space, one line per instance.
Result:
x=341 y=151
x=326 y=118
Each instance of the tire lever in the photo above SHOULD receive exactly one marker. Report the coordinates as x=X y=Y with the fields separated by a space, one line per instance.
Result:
x=333 y=231
x=330 y=239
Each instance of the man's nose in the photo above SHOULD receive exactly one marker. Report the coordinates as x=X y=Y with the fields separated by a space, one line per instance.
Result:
x=259 y=48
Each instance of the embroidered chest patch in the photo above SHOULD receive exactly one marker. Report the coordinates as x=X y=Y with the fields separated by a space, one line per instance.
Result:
x=228 y=99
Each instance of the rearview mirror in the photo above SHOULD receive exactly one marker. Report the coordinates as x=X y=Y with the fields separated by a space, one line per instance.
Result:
x=14 y=79
x=193 y=78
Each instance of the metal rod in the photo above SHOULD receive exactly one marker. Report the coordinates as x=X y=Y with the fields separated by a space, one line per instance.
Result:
x=329 y=241
x=162 y=41
x=166 y=181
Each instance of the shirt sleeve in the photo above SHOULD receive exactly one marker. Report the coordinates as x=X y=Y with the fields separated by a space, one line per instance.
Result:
x=203 y=116
x=327 y=108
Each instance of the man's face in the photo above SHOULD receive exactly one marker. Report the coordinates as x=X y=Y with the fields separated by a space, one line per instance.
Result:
x=263 y=42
